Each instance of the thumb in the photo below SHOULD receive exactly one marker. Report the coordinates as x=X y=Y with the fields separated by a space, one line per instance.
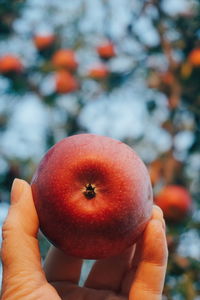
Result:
x=20 y=250
x=151 y=258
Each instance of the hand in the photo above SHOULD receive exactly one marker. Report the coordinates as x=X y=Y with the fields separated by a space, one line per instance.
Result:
x=136 y=274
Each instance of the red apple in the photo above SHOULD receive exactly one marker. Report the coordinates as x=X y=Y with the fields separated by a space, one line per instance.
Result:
x=93 y=196
x=43 y=41
x=65 y=58
x=65 y=82
x=10 y=63
x=175 y=201
x=194 y=57
x=106 y=50
x=98 y=72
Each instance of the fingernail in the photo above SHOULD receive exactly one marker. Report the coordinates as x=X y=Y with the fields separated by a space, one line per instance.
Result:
x=158 y=209
x=164 y=225
x=16 y=190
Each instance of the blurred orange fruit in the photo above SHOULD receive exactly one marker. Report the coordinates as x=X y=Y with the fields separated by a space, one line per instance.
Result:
x=43 y=41
x=98 y=72
x=10 y=63
x=106 y=50
x=65 y=82
x=167 y=77
x=65 y=58
x=194 y=57
x=175 y=201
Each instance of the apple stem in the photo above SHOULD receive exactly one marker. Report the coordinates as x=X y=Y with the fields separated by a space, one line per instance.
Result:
x=89 y=191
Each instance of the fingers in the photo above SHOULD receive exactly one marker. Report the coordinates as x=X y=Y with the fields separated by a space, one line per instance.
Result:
x=60 y=267
x=151 y=261
x=108 y=273
x=20 y=251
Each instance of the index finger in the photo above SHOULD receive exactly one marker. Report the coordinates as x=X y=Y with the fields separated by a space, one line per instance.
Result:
x=61 y=267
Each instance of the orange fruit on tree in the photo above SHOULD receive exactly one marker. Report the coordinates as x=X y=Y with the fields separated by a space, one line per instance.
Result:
x=65 y=58
x=65 y=82
x=98 y=72
x=106 y=50
x=43 y=41
x=194 y=57
x=167 y=78
x=10 y=63
x=175 y=202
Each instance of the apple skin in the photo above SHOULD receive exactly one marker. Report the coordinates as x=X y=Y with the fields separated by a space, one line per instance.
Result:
x=175 y=202
x=86 y=223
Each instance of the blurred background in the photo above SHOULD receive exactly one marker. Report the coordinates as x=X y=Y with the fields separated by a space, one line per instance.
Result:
x=128 y=69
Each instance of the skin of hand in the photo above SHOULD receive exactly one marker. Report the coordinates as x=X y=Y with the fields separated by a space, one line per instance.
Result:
x=136 y=274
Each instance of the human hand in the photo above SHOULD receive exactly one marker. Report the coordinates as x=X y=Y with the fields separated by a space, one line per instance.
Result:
x=136 y=274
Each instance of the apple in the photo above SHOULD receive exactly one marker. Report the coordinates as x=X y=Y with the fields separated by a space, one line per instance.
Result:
x=65 y=58
x=194 y=57
x=175 y=202
x=65 y=82
x=98 y=72
x=93 y=196
x=167 y=78
x=10 y=63
x=106 y=50
x=43 y=41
